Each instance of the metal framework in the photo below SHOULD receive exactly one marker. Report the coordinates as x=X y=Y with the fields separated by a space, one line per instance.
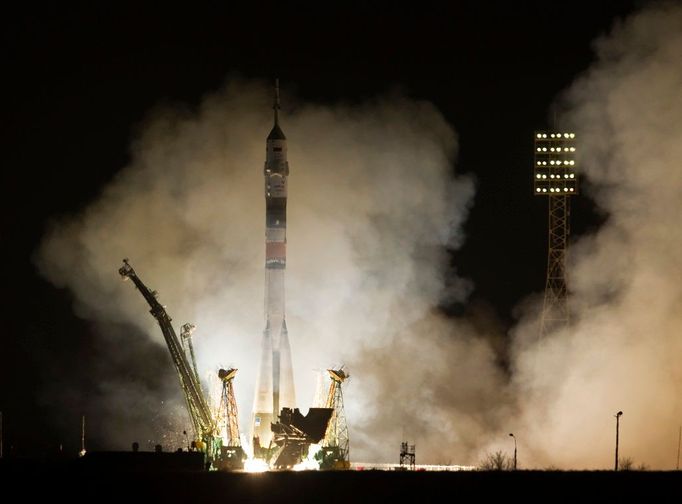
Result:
x=337 y=431
x=407 y=455
x=555 y=178
x=200 y=413
x=228 y=404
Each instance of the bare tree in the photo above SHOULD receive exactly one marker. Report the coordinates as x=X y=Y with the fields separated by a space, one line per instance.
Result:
x=497 y=461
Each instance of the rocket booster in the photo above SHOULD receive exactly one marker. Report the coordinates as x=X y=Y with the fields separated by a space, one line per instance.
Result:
x=275 y=386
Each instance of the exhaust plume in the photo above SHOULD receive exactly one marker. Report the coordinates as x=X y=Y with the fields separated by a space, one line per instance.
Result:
x=373 y=207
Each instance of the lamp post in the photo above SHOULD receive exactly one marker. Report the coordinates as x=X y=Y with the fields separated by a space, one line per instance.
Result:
x=512 y=435
x=617 y=415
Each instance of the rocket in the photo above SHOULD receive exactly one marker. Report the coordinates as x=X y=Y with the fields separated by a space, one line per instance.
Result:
x=275 y=382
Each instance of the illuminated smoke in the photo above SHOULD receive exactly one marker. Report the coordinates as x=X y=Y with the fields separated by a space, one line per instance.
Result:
x=623 y=351
x=373 y=205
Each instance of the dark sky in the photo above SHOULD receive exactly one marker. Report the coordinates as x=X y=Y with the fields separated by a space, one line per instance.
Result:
x=78 y=82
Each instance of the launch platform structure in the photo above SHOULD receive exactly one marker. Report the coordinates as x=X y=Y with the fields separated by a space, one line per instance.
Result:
x=407 y=456
x=554 y=177
x=200 y=413
x=233 y=454
x=335 y=451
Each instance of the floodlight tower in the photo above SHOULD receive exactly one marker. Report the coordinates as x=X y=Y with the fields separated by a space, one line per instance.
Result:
x=555 y=178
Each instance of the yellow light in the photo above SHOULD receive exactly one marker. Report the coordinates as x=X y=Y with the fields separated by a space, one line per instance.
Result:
x=544 y=149
x=565 y=189
x=544 y=190
x=539 y=135
x=544 y=176
x=538 y=176
x=572 y=135
x=538 y=190
x=544 y=135
x=565 y=135
x=539 y=149
x=255 y=465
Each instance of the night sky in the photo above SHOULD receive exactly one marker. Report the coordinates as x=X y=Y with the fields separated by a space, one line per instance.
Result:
x=79 y=82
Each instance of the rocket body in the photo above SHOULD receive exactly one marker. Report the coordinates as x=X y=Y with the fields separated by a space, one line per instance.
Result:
x=275 y=386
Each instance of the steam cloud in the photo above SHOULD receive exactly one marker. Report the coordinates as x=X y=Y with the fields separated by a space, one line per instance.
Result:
x=623 y=351
x=373 y=206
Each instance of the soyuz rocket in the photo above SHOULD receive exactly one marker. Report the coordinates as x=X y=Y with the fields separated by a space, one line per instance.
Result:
x=275 y=381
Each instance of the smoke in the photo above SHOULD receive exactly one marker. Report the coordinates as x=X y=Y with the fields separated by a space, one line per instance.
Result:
x=373 y=207
x=623 y=350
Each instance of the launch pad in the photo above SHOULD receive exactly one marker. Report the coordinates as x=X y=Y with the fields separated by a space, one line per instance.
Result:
x=286 y=442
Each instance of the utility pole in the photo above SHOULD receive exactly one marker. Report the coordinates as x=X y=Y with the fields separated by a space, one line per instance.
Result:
x=82 y=452
x=679 y=438
x=617 y=415
x=512 y=435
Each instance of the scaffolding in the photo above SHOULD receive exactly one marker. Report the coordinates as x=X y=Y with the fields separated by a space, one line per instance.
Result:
x=407 y=456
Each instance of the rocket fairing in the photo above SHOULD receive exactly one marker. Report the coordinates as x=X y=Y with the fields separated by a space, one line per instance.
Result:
x=275 y=386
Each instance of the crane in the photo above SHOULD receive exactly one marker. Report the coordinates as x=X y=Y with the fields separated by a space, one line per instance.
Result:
x=200 y=413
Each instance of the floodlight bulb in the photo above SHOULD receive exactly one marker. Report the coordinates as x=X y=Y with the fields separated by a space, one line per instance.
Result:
x=565 y=135
x=565 y=149
x=538 y=176
x=544 y=149
x=571 y=189
x=551 y=189
x=544 y=176
x=539 y=149
x=565 y=175
x=551 y=162
x=552 y=135
x=572 y=135
x=539 y=163
x=565 y=189
x=538 y=190
x=572 y=175
x=544 y=135
x=544 y=190
x=544 y=163
x=539 y=135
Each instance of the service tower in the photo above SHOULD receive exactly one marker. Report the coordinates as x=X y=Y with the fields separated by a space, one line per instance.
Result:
x=275 y=384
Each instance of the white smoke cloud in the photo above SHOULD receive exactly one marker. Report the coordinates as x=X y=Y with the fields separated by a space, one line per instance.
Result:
x=372 y=207
x=623 y=351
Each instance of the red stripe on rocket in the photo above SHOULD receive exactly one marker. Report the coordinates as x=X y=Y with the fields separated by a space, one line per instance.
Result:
x=275 y=250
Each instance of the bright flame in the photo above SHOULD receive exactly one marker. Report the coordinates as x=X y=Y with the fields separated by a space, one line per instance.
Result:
x=309 y=464
x=253 y=465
